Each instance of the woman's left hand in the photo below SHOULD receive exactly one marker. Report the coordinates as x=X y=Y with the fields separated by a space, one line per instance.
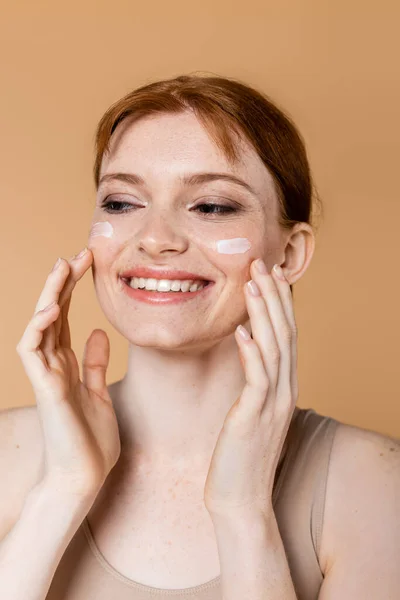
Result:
x=243 y=465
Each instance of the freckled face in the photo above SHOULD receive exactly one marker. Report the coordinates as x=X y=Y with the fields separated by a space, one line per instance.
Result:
x=164 y=223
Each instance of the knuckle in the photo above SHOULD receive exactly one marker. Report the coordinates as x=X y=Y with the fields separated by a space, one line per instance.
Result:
x=287 y=334
x=263 y=383
x=285 y=402
x=38 y=309
x=21 y=347
x=274 y=291
x=274 y=355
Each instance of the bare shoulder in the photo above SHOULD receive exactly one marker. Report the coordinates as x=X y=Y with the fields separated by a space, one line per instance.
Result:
x=362 y=508
x=21 y=460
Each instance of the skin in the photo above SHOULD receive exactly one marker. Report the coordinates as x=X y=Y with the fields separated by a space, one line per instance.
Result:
x=184 y=370
x=234 y=410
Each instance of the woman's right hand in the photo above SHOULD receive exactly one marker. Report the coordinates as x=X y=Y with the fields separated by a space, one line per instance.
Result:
x=80 y=429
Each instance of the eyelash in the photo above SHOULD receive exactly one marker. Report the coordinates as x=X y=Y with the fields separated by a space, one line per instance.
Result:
x=222 y=208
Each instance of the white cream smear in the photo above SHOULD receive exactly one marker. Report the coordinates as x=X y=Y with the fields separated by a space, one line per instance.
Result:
x=229 y=246
x=233 y=246
x=101 y=228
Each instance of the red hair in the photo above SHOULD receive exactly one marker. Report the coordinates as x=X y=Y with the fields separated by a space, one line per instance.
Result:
x=226 y=108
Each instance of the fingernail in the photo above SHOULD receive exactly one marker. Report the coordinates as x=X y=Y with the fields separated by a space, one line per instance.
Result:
x=261 y=267
x=279 y=272
x=253 y=288
x=81 y=253
x=58 y=261
x=242 y=331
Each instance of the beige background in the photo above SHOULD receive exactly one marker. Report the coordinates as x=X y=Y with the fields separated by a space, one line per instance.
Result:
x=333 y=66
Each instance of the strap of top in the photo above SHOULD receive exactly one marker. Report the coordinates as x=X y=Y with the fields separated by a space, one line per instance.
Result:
x=325 y=432
x=300 y=501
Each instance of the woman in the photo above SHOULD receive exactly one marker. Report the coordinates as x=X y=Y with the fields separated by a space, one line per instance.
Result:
x=195 y=475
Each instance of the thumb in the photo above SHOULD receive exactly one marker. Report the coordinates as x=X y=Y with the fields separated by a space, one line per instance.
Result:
x=96 y=356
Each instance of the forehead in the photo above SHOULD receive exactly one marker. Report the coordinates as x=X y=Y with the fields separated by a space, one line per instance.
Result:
x=169 y=145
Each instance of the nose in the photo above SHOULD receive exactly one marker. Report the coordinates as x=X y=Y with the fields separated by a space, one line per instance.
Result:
x=159 y=235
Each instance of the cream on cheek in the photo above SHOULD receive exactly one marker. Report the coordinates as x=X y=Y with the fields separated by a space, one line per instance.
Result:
x=227 y=246
x=233 y=246
x=101 y=228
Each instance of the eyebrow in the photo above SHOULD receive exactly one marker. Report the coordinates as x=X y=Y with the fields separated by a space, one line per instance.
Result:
x=191 y=179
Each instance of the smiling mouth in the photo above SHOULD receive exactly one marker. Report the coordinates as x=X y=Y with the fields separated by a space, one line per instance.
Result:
x=194 y=286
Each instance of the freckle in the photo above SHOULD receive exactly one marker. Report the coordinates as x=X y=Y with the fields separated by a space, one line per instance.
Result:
x=17 y=445
x=391 y=449
x=381 y=454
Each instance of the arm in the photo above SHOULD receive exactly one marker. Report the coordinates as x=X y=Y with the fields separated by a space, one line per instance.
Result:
x=36 y=543
x=245 y=458
x=360 y=546
x=252 y=558
x=80 y=435
x=360 y=549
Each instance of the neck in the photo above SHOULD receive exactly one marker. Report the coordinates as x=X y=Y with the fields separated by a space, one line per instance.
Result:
x=171 y=406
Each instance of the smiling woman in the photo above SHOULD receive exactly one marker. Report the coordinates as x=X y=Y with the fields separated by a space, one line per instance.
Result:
x=229 y=111
x=196 y=475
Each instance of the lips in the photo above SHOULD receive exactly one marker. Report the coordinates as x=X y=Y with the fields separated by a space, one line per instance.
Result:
x=148 y=273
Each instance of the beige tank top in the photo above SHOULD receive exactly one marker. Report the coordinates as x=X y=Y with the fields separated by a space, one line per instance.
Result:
x=298 y=499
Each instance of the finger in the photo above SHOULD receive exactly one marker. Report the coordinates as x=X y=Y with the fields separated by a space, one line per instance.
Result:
x=51 y=293
x=33 y=359
x=272 y=291
x=59 y=285
x=287 y=303
x=53 y=285
x=263 y=331
x=64 y=339
x=78 y=266
x=48 y=344
x=95 y=361
x=254 y=393
x=286 y=299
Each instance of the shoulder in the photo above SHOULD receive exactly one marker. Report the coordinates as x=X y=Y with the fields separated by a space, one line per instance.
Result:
x=21 y=460
x=362 y=507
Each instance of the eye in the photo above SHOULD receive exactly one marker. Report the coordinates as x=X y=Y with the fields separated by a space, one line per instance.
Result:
x=222 y=209
x=114 y=206
x=108 y=204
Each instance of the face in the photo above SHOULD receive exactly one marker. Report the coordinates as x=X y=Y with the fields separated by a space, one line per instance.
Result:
x=164 y=223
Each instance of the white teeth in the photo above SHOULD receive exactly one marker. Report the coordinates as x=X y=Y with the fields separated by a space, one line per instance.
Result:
x=166 y=285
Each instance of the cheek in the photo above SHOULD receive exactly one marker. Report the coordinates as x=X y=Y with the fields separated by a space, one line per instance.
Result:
x=233 y=246
x=99 y=233
x=104 y=229
x=102 y=235
x=103 y=243
x=101 y=229
x=234 y=254
x=104 y=240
